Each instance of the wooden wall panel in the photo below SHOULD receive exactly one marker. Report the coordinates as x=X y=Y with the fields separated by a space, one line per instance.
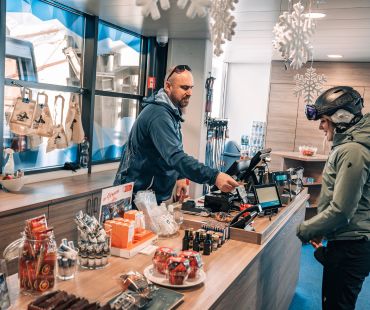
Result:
x=281 y=119
x=337 y=73
x=286 y=131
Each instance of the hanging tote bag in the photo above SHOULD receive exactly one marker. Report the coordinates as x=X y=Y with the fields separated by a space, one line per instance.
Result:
x=59 y=139
x=43 y=123
x=23 y=114
x=78 y=133
x=73 y=126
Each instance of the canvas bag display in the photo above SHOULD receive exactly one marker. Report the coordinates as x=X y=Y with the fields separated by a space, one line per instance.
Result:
x=73 y=126
x=23 y=114
x=43 y=123
x=59 y=139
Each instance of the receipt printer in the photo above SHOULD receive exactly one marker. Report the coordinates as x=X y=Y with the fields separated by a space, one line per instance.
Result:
x=219 y=202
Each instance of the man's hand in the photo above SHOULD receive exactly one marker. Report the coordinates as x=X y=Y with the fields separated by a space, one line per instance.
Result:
x=225 y=183
x=316 y=242
x=181 y=189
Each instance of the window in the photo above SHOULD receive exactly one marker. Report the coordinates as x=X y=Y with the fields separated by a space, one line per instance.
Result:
x=113 y=119
x=118 y=60
x=30 y=151
x=44 y=43
x=44 y=52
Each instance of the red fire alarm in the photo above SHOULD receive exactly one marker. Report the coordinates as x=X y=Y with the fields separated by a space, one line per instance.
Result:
x=151 y=82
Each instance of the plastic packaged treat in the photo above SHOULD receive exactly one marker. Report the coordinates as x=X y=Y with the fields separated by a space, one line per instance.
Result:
x=195 y=261
x=160 y=258
x=178 y=269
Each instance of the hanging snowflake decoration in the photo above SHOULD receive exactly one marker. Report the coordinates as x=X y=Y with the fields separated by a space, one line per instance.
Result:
x=222 y=23
x=310 y=84
x=292 y=36
x=196 y=7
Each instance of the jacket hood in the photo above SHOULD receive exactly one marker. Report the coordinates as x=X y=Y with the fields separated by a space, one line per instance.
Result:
x=161 y=98
x=359 y=133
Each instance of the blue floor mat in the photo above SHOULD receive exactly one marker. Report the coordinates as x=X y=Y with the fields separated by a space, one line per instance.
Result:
x=308 y=292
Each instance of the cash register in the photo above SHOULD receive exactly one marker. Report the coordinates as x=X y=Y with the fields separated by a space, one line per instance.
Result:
x=240 y=170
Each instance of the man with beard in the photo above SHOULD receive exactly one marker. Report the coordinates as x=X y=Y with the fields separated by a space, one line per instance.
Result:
x=344 y=207
x=154 y=157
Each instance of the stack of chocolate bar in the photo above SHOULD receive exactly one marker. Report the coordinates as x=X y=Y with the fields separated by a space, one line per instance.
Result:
x=59 y=300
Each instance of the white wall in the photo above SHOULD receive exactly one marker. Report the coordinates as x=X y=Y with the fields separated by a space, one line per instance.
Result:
x=247 y=94
x=198 y=55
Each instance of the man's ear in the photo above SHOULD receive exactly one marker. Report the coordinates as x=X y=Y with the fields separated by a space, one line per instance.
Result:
x=167 y=86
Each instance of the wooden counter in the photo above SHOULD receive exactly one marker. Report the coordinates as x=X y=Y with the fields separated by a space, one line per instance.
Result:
x=240 y=275
x=52 y=191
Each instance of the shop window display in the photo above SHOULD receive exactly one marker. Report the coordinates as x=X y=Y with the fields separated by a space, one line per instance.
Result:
x=118 y=62
x=44 y=43
x=113 y=119
x=30 y=151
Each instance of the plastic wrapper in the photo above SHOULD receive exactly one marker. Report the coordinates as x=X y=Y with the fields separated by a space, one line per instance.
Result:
x=178 y=269
x=137 y=292
x=37 y=256
x=195 y=261
x=157 y=218
x=94 y=242
x=160 y=258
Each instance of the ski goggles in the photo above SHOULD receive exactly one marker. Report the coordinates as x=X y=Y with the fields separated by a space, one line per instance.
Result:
x=179 y=69
x=311 y=112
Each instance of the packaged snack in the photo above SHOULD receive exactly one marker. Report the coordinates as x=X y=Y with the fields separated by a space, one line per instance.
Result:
x=178 y=269
x=195 y=261
x=160 y=258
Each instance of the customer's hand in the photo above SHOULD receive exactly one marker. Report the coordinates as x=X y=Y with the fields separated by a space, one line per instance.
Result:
x=316 y=242
x=181 y=189
x=225 y=183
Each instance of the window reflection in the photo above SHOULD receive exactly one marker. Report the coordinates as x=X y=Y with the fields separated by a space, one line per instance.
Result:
x=45 y=41
x=113 y=120
x=118 y=62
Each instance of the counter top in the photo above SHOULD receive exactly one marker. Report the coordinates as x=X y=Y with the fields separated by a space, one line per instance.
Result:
x=223 y=268
x=299 y=156
x=41 y=193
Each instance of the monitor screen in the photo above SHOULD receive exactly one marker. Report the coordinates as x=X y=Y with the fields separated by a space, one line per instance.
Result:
x=267 y=196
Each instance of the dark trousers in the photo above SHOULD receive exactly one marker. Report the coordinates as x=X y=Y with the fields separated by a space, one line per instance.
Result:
x=346 y=265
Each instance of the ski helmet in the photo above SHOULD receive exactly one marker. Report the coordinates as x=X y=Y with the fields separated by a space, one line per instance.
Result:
x=333 y=99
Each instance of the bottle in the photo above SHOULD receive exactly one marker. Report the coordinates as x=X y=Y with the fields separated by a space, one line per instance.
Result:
x=185 y=241
x=84 y=153
x=191 y=238
x=244 y=147
x=207 y=245
x=196 y=242
x=9 y=166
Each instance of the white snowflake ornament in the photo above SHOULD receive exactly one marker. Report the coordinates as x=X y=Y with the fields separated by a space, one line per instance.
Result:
x=222 y=23
x=150 y=7
x=310 y=84
x=292 y=36
x=196 y=7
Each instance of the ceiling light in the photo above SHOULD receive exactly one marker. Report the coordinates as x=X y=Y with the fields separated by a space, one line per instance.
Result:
x=315 y=15
x=335 y=56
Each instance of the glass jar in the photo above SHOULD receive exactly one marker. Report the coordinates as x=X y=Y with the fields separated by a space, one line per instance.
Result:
x=36 y=264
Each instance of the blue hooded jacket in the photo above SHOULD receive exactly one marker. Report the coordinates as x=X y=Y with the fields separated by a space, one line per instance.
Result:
x=154 y=157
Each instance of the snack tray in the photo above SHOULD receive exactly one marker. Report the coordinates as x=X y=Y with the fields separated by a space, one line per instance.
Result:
x=152 y=275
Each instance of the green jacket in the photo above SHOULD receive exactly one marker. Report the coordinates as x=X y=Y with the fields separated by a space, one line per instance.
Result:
x=344 y=204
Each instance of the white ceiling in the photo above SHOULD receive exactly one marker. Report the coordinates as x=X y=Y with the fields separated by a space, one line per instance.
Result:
x=345 y=30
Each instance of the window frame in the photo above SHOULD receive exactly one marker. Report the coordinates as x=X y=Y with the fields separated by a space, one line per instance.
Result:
x=87 y=90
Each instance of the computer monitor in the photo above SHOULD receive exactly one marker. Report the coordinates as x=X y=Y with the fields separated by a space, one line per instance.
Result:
x=267 y=196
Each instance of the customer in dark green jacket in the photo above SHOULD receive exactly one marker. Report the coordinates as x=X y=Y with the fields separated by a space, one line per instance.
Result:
x=344 y=207
x=154 y=157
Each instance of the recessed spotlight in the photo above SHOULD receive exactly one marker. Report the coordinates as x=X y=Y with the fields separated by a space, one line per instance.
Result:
x=315 y=15
x=335 y=56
